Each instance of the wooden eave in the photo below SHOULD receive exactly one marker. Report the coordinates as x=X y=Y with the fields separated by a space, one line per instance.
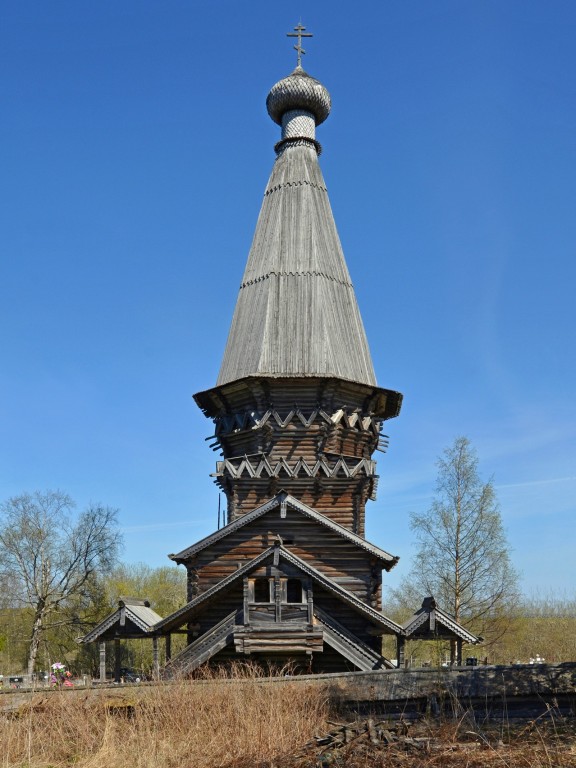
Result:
x=388 y=561
x=435 y=623
x=127 y=622
x=382 y=403
x=278 y=552
x=372 y=615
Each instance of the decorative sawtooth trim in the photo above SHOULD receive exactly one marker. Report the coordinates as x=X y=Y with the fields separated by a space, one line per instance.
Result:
x=111 y=620
x=301 y=183
x=265 y=469
x=253 y=420
x=246 y=466
x=417 y=622
x=450 y=623
x=352 y=420
x=101 y=628
x=307 y=273
x=308 y=422
x=301 y=466
x=341 y=466
x=284 y=422
x=281 y=464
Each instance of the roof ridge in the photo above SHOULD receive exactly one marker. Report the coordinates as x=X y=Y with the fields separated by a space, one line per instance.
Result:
x=277 y=500
x=271 y=551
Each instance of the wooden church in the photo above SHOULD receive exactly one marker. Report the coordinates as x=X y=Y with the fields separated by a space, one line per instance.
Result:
x=297 y=416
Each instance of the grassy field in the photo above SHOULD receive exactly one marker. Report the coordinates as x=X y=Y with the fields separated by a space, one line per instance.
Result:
x=287 y=724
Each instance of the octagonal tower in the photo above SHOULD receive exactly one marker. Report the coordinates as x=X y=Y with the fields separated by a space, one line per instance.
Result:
x=296 y=406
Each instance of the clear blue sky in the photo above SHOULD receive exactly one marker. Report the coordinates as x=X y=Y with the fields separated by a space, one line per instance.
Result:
x=135 y=148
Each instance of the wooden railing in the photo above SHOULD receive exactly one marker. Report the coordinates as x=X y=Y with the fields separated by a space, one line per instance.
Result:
x=265 y=613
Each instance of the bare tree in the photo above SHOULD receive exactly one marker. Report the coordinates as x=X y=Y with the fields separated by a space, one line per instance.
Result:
x=463 y=555
x=50 y=556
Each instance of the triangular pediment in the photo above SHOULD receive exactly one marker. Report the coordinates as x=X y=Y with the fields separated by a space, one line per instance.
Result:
x=277 y=554
x=130 y=620
x=280 y=504
x=431 y=622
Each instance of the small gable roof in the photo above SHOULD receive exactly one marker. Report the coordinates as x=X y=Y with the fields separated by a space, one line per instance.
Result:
x=132 y=619
x=284 y=500
x=278 y=552
x=430 y=621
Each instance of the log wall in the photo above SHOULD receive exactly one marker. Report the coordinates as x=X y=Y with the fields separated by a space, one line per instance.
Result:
x=343 y=561
x=313 y=438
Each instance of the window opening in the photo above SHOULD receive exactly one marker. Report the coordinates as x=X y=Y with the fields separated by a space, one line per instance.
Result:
x=261 y=591
x=294 y=591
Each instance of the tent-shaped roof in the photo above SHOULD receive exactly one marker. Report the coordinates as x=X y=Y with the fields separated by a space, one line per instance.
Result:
x=276 y=553
x=296 y=284
x=132 y=619
x=430 y=622
x=284 y=500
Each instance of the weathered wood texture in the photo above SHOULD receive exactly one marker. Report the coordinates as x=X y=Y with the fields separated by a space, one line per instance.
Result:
x=494 y=691
x=207 y=616
x=296 y=408
x=326 y=606
x=296 y=311
x=311 y=437
x=503 y=681
x=342 y=561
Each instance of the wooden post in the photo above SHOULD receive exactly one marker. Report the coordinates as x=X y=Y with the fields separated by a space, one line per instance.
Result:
x=102 y=662
x=156 y=657
x=117 y=660
x=168 y=647
x=247 y=590
x=277 y=598
x=459 y=652
x=400 y=644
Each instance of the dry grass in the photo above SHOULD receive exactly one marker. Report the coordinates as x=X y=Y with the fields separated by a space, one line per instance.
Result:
x=214 y=723
x=206 y=724
x=445 y=744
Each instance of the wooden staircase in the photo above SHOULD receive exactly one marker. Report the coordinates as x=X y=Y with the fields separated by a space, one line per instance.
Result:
x=203 y=648
x=348 y=645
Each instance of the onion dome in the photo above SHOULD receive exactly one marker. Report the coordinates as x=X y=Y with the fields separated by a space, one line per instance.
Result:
x=298 y=92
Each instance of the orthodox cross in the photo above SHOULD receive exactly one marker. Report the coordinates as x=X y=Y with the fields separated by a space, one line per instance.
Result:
x=299 y=32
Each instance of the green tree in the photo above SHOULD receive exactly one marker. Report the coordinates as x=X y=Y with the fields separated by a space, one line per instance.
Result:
x=51 y=557
x=463 y=557
x=164 y=586
x=544 y=625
